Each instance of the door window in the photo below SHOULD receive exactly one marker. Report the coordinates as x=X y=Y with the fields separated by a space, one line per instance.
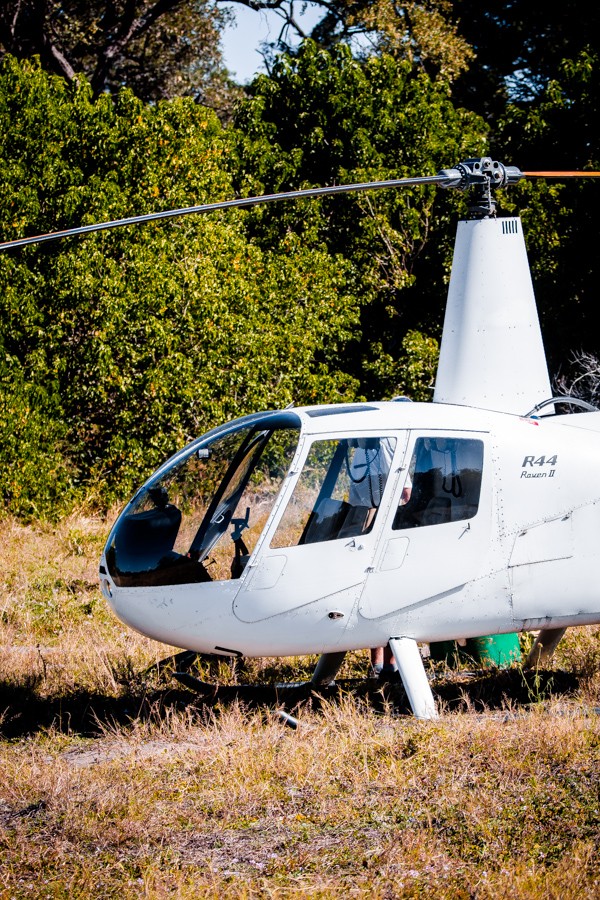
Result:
x=443 y=482
x=338 y=493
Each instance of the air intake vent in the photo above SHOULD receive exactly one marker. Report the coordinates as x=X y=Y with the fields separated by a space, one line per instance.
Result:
x=510 y=226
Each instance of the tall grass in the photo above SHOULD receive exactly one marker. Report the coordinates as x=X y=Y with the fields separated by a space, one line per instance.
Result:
x=192 y=802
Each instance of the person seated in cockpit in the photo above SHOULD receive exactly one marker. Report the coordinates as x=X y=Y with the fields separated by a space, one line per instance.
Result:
x=368 y=471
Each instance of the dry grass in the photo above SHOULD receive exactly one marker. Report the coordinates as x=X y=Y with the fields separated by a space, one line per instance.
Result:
x=185 y=801
x=55 y=627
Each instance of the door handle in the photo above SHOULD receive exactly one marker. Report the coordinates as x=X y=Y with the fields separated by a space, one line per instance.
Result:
x=352 y=545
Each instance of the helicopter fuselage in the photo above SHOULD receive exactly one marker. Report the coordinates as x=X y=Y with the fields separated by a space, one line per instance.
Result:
x=317 y=530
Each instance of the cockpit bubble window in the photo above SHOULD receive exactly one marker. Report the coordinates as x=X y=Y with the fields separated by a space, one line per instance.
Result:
x=338 y=493
x=199 y=519
x=443 y=482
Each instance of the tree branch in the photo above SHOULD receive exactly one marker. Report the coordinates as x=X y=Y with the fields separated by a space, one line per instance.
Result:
x=285 y=8
x=130 y=28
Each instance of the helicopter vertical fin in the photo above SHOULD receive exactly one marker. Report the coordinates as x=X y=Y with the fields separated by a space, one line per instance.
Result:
x=492 y=355
x=412 y=672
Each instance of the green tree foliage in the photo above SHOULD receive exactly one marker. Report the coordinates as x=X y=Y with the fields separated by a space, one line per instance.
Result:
x=519 y=47
x=559 y=130
x=137 y=340
x=34 y=469
x=422 y=32
x=158 y=48
x=324 y=117
x=411 y=373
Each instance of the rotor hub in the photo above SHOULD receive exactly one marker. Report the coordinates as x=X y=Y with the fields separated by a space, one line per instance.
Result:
x=481 y=176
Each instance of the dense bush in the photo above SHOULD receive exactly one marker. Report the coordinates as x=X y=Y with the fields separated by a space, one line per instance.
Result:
x=133 y=341
x=34 y=471
x=325 y=118
x=118 y=347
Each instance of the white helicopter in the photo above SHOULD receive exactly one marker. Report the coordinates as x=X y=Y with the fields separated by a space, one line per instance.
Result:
x=331 y=528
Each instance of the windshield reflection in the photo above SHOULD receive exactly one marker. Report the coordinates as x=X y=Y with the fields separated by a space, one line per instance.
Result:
x=200 y=520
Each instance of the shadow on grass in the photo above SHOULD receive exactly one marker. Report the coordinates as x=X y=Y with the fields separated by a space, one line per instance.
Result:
x=25 y=711
x=504 y=688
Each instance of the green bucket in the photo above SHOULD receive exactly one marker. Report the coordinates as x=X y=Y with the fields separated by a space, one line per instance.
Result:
x=499 y=650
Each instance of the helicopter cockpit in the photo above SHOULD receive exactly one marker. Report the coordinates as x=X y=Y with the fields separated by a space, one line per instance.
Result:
x=200 y=516
x=175 y=530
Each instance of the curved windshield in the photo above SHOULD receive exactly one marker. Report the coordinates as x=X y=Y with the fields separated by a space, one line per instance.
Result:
x=199 y=519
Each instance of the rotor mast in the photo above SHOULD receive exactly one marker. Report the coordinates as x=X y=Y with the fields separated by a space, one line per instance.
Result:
x=492 y=354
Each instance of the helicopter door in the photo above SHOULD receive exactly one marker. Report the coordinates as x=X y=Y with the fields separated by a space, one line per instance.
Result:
x=438 y=530
x=325 y=539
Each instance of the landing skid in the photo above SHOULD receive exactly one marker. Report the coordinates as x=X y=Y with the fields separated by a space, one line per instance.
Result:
x=290 y=694
x=411 y=683
x=483 y=692
x=323 y=686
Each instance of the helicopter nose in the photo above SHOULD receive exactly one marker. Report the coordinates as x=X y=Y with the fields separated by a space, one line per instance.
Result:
x=192 y=616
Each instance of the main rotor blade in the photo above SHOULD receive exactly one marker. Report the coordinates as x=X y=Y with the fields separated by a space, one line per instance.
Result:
x=580 y=174
x=228 y=204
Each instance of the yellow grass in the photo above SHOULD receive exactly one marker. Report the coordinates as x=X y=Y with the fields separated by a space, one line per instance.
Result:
x=193 y=803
